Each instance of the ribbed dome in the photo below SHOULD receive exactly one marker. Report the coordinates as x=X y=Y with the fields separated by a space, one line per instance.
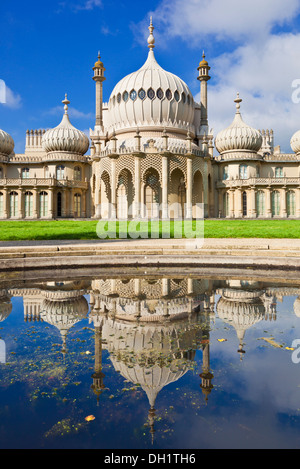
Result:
x=6 y=143
x=151 y=96
x=65 y=137
x=295 y=142
x=238 y=136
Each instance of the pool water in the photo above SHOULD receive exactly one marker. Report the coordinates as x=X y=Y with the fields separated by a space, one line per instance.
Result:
x=149 y=363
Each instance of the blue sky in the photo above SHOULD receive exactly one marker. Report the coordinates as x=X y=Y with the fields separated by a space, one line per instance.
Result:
x=48 y=49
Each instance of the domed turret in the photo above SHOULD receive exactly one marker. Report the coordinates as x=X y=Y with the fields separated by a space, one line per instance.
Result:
x=238 y=137
x=6 y=144
x=151 y=97
x=65 y=138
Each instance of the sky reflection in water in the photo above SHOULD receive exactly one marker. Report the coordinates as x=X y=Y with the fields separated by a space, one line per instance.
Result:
x=155 y=363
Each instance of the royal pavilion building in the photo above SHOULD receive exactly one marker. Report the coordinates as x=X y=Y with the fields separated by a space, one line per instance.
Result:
x=152 y=154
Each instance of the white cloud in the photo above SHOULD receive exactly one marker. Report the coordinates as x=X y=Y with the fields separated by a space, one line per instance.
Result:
x=261 y=67
x=73 y=113
x=222 y=19
x=12 y=100
x=264 y=80
x=89 y=5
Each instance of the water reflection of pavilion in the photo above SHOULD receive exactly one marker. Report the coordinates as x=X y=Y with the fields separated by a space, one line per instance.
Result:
x=151 y=327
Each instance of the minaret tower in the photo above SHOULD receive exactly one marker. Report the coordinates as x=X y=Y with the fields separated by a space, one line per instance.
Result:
x=203 y=78
x=99 y=78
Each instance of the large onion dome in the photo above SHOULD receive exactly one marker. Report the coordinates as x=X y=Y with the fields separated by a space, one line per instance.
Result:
x=151 y=97
x=65 y=138
x=238 y=137
x=6 y=144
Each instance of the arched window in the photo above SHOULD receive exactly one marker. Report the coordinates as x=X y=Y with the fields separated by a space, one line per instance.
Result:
x=245 y=208
x=260 y=203
x=122 y=204
x=243 y=171
x=13 y=204
x=77 y=173
x=77 y=205
x=28 y=205
x=25 y=173
x=60 y=172
x=43 y=204
x=291 y=203
x=1 y=205
x=275 y=203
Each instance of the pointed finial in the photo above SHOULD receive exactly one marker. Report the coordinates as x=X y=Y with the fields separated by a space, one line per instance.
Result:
x=151 y=40
x=238 y=100
x=66 y=102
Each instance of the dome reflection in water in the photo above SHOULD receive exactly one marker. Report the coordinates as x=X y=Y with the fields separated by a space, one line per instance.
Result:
x=149 y=363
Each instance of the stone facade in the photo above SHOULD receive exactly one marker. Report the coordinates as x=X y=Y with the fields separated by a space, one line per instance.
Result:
x=151 y=154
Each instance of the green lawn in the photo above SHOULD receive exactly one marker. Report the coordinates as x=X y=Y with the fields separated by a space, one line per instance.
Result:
x=85 y=230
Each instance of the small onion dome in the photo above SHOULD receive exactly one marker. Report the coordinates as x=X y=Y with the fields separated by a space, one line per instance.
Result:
x=238 y=136
x=65 y=137
x=6 y=143
x=99 y=64
x=295 y=142
x=203 y=62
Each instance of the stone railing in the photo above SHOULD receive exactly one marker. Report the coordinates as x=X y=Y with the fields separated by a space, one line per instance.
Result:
x=43 y=182
x=284 y=181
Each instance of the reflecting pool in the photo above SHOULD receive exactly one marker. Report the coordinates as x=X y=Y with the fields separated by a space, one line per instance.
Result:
x=149 y=363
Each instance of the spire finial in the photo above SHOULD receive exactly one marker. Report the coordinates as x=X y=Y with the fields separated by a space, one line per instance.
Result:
x=151 y=40
x=66 y=102
x=238 y=100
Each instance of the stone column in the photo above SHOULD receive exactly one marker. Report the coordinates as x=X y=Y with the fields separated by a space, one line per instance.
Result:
x=253 y=211
x=64 y=203
x=283 y=210
x=137 y=187
x=71 y=203
x=238 y=204
x=20 y=196
x=297 y=192
x=189 y=189
x=5 y=211
x=231 y=203
x=268 y=203
x=165 y=179
x=35 y=203
x=83 y=208
x=113 y=199
x=50 y=202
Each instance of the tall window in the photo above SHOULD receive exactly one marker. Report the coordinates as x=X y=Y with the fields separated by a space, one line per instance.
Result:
x=243 y=171
x=122 y=202
x=46 y=172
x=60 y=172
x=260 y=203
x=13 y=204
x=25 y=173
x=28 y=204
x=275 y=203
x=245 y=204
x=43 y=204
x=226 y=204
x=279 y=172
x=77 y=205
x=1 y=173
x=291 y=204
x=225 y=173
x=77 y=173
x=1 y=204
